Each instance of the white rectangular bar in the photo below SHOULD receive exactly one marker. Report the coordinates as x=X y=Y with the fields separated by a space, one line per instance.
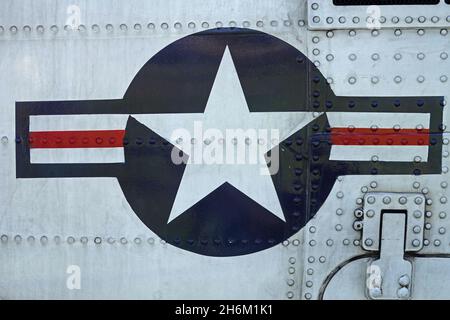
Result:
x=379 y=119
x=77 y=155
x=74 y=122
x=384 y=153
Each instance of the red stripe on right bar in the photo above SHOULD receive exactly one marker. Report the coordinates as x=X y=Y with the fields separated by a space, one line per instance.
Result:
x=380 y=137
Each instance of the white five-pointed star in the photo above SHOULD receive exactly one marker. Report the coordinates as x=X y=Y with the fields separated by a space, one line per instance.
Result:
x=226 y=109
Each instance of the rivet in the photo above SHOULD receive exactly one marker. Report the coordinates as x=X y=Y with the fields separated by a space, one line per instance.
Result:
x=374 y=80
x=84 y=240
x=44 y=240
x=312 y=243
x=428 y=226
x=290 y=282
x=356 y=242
x=17 y=239
x=434 y=19
x=444 y=32
x=322 y=259
x=418 y=200
x=398 y=32
x=417 y=229
x=421 y=32
x=429 y=202
x=352 y=80
x=342 y=20
x=4 y=238
x=402 y=200
x=437 y=242
x=428 y=214
x=310 y=271
x=339 y=211
x=444 y=55
x=368 y=242
x=422 y=19
x=426 y=242
x=123 y=240
x=359 y=201
x=340 y=195
x=395 y=19
x=352 y=33
x=371 y=200
x=443 y=78
x=370 y=213
x=309 y=284
x=397 y=79
x=443 y=200
x=420 y=79
x=330 y=242
x=312 y=229
x=151 y=241
x=442 y=215
x=296 y=242
x=375 y=292
x=97 y=240
x=30 y=239
x=292 y=260
x=417 y=214
x=404 y=280
x=290 y=294
x=352 y=57
x=403 y=293
x=408 y=19
x=338 y=227
x=311 y=259
x=346 y=242
x=416 y=243
x=416 y=185
x=308 y=296
x=291 y=270
x=373 y=184
x=442 y=230
x=316 y=19
x=397 y=56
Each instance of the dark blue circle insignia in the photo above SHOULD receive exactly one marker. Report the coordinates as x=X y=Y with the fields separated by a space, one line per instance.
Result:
x=275 y=77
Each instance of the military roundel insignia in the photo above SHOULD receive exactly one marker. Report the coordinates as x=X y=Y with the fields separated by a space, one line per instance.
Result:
x=228 y=141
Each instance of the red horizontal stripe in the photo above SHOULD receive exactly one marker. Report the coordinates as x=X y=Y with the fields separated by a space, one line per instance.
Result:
x=76 y=139
x=380 y=137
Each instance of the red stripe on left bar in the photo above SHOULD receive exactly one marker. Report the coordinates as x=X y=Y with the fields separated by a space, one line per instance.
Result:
x=76 y=139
